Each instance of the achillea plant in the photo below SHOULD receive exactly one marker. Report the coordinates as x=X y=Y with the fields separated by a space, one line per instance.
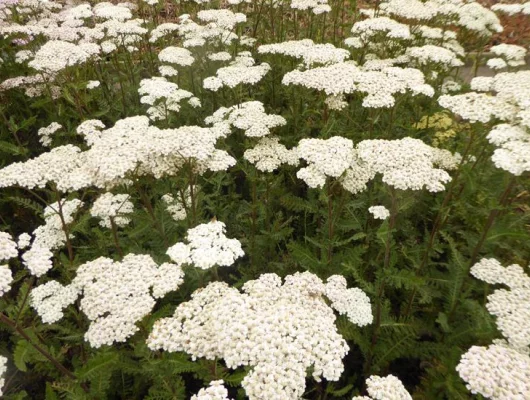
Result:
x=262 y=199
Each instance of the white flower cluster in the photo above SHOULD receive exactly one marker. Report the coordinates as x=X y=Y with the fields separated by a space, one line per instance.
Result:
x=176 y=55
x=23 y=241
x=382 y=28
x=379 y=212
x=57 y=166
x=50 y=236
x=308 y=51
x=407 y=163
x=116 y=295
x=278 y=330
x=90 y=130
x=512 y=9
x=175 y=206
x=336 y=103
x=352 y=302
x=56 y=55
x=50 y=299
x=216 y=391
x=207 y=247
x=513 y=148
x=511 y=307
x=8 y=248
x=497 y=372
x=46 y=133
x=106 y=10
x=385 y=388
x=249 y=117
x=268 y=154
x=325 y=158
x=469 y=15
x=317 y=6
x=240 y=71
x=163 y=96
x=510 y=54
x=434 y=55
x=502 y=370
x=3 y=370
x=109 y=206
x=380 y=86
x=477 y=107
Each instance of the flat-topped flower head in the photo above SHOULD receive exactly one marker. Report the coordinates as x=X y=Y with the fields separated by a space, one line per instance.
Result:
x=240 y=71
x=308 y=51
x=56 y=55
x=215 y=391
x=176 y=55
x=383 y=28
x=379 y=212
x=497 y=372
x=269 y=154
x=8 y=248
x=207 y=247
x=115 y=295
x=6 y=278
x=279 y=330
x=385 y=388
x=249 y=117
x=116 y=207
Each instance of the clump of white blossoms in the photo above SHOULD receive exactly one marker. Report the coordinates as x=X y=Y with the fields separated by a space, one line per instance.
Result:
x=112 y=208
x=407 y=164
x=56 y=55
x=90 y=130
x=207 y=247
x=116 y=295
x=50 y=236
x=175 y=206
x=50 y=299
x=110 y=11
x=46 y=133
x=176 y=55
x=384 y=388
x=477 y=107
x=268 y=154
x=510 y=307
x=325 y=158
x=379 y=212
x=384 y=28
x=163 y=96
x=345 y=78
x=8 y=248
x=502 y=370
x=308 y=51
x=434 y=56
x=216 y=391
x=512 y=9
x=497 y=372
x=3 y=370
x=513 y=55
x=278 y=330
x=24 y=240
x=249 y=117
x=93 y=85
x=317 y=6
x=513 y=148
x=240 y=71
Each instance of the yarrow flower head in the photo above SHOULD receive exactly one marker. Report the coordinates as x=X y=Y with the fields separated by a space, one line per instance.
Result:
x=379 y=212
x=278 y=330
x=240 y=71
x=308 y=51
x=56 y=55
x=176 y=55
x=6 y=278
x=269 y=154
x=215 y=391
x=249 y=117
x=46 y=133
x=207 y=247
x=8 y=248
x=111 y=209
x=385 y=388
x=175 y=206
x=116 y=295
